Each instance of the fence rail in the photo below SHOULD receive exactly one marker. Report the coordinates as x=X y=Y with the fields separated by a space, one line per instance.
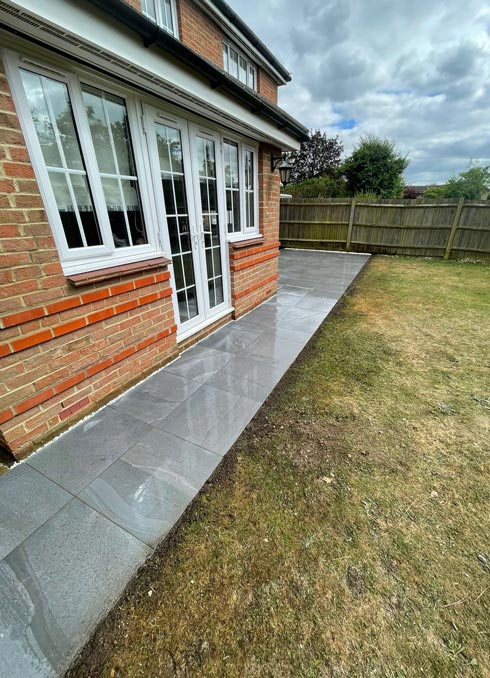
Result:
x=455 y=229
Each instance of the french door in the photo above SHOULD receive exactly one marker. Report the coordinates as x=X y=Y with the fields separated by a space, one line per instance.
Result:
x=186 y=168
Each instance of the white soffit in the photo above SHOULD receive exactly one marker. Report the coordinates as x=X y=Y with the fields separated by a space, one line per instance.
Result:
x=88 y=34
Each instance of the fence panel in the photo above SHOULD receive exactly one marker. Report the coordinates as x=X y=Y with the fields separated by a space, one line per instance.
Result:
x=411 y=227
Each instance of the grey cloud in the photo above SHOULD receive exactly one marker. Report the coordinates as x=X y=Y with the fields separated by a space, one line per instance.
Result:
x=416 y=72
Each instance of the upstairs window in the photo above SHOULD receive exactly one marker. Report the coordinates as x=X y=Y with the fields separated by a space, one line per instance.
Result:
x=236 y=64
x=162 y=12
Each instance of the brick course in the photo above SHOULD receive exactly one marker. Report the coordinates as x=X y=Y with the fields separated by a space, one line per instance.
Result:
x=66 y=350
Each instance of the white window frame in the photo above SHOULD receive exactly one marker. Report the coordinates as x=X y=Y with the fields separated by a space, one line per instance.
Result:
x=159 y=17
x=84 y=259
x=250 y=66
x=244 y=232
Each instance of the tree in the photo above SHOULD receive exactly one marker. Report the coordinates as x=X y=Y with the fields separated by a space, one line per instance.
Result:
x=320 y=156
x=375 y=166
x=472 y=184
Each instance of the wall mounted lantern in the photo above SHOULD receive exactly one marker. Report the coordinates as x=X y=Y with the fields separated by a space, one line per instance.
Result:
x=285 y=168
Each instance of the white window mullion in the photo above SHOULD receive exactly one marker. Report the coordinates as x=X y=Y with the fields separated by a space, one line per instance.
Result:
x=93 y=175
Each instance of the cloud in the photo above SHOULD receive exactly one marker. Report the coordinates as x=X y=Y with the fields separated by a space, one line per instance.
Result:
x=414 y=72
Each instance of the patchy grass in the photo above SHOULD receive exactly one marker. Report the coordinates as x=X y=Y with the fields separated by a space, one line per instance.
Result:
x=349 y=533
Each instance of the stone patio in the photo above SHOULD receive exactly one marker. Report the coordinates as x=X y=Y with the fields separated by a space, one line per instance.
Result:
x=81 y=515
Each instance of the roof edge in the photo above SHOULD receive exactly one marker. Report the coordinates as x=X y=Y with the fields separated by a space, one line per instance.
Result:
x=251 y=36
x=153 y=35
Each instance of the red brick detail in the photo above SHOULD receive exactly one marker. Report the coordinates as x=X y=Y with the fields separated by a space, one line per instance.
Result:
x=73 y=302
x=85 y=402
x=42 y=397
x=65 y=328
x=254 y=262
x=6 y=415
x=255 y=250
x=252 y=288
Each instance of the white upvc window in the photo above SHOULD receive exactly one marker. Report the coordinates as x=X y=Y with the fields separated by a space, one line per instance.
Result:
x=162 y=12
x=239 y=66
x=241 y=188
x=89 y=167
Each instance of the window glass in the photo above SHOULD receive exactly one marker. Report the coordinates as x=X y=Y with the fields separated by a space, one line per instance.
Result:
x=50 y=108
x=252 y=81
x=148 y=8
x=174 y=192
x=232 y=186
x=249 y=189
x=225 y=57
x=233 y=63
x=237 y=65
x=108 y=121
x=242 y=73
x=159 y=11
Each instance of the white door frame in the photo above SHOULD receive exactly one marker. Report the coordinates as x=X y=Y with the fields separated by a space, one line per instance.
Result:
x=188 y=132
x=201 y=131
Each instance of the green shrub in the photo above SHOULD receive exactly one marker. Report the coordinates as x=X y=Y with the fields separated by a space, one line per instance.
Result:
x=322 y=187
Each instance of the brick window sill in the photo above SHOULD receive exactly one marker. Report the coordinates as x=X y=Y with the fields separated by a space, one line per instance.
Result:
x=80 y=279
x=250 y=242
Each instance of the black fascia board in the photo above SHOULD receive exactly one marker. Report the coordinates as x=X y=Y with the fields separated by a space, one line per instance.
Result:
x=153 y=35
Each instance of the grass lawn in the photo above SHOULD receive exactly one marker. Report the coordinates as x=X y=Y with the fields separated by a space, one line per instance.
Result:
x=349 y=532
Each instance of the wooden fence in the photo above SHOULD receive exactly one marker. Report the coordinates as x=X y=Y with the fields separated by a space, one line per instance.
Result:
x=450 y=228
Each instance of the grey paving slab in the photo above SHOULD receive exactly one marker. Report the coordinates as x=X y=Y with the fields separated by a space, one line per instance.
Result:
x=273 y=347
x=149 y=487
x=302 y=320
x=285 y=332
x=27 y=500
x=136 y=465
x=199 y=363
x=74 y=459
x=243 y=387
x=317 y=303
x=232 y=338
x=156 y=397
x=266 y=373
x=211 y=418
x=57 y=585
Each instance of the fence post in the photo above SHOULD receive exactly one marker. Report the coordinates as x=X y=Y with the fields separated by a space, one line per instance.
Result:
x=454 y=228
x=351 y=224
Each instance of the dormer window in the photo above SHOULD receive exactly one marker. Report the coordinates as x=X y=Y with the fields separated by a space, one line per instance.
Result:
x=239 y=66
x=162 y=12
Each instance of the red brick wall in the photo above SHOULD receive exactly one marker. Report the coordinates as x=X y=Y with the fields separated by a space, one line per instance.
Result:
x=199 y=32
x=254 y=269
x=267 y=87
x=134 y=3
x=63 y=350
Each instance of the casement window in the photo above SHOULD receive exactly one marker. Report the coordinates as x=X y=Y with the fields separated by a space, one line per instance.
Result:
x=84 y=155
x=240 y=170
x=236 y=64
x=162 y=12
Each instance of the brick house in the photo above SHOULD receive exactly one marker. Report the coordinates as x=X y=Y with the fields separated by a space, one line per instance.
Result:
x=138 y=206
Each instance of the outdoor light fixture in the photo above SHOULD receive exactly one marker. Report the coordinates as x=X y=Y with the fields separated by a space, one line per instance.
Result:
x=278 y=162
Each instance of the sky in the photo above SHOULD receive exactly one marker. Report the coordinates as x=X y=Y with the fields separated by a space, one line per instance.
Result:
x=413 y=71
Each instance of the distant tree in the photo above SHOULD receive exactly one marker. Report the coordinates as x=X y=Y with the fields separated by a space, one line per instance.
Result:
x=320 y=156
x=472 y=184
x=321 y=187
x=375 y=166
